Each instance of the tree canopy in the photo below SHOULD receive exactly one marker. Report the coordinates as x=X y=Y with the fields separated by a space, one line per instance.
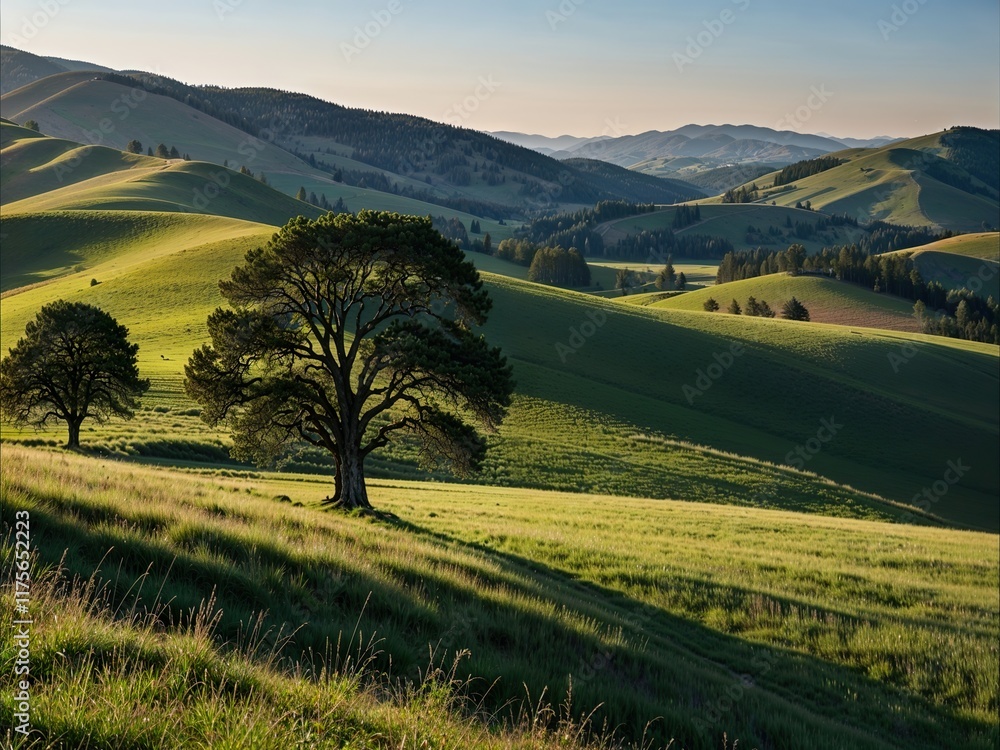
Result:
x=75 y=362
x=346 y=333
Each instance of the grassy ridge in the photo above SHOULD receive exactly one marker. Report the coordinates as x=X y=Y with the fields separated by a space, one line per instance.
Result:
x=781 y=630
x=891 y=184
x=984 y=245
x=43 y=173
x=828 y=300
x=175 y=186
x=43 y=246
x=630 y=376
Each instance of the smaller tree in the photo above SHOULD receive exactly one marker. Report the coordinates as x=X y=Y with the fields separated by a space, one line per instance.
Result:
x=33 y=125
x=794 y=310
x=623 y=280
x=794 y=257
x=174 y=153
x=667 y=278
x=734 y=308
x=134 y=147
x=752 y=306
x=682 y=281
x=301 y=195
x=488 y=244
x=162 y=151
x=74 y=362
x=711 y=305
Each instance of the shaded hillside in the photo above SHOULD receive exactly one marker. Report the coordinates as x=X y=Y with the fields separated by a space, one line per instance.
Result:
x=19 y=68
x=634 y=186
x=34 y=164
x=402 y=144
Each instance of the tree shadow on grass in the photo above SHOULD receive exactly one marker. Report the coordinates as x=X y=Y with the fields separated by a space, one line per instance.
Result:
x=528 y=624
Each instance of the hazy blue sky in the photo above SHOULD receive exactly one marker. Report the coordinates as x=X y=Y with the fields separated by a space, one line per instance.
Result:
x=564 y=66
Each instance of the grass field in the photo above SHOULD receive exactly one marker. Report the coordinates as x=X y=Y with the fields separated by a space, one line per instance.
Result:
x=828 y=301
x=609 y=413
x=777 y=629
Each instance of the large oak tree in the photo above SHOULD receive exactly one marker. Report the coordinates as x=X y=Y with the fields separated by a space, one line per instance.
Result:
x=75 y=362
x=345 y=333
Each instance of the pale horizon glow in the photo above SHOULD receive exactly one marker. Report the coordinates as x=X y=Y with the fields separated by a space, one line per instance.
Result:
x=558 y=67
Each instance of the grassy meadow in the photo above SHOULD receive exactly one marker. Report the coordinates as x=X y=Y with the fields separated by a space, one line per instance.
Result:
x=662 y=551
x=777 y=629
x=626 y=424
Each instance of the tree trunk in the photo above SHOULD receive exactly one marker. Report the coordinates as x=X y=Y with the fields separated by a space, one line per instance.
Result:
x=74 y=433
x=350 y=491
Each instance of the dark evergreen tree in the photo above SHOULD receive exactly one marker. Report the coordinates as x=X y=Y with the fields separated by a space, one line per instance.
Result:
x=794 y=310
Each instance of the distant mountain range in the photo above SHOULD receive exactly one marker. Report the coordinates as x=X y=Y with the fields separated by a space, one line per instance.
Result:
x=702 y=147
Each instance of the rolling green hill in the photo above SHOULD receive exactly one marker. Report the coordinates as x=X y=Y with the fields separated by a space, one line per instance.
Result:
x=984 y=245
x=260 y=128
x=828 y=301
x=918 y=182
x=47 y=174
x=39 y=247
x=33 y=164
x=709 y=620
x=609 y=413
x=969 y=261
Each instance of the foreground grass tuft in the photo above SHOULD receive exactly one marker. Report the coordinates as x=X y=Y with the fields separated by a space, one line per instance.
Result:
x=205 y=607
